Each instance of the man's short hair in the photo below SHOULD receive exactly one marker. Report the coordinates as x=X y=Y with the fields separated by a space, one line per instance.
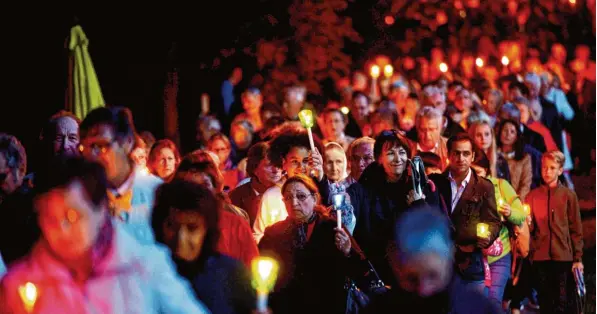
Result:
x=120 y=119
x=428 y=113
x=327 y=111
x=358 y=142
x=556 y=156
x=510 y=111
x=255 y=155
x=49 y=129
x=460 y=137
x=524 y=90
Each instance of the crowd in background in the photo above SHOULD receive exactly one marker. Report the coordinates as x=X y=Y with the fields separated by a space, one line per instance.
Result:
x=118 y=221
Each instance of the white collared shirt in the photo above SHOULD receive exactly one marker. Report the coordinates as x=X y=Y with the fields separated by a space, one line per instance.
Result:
x=458 y=190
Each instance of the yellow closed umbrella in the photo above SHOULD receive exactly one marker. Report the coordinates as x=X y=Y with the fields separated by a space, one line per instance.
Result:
x=83 y=92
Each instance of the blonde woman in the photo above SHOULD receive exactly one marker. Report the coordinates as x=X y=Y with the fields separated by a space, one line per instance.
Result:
x=484 y=138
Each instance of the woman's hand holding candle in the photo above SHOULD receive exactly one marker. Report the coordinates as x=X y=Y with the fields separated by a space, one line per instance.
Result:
x=343 y=241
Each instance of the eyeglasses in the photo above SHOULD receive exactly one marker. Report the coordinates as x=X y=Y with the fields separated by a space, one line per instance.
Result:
x=95 y=148
x=300 y=196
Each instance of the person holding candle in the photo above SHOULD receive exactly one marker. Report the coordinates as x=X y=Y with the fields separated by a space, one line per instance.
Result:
x=290 y=149
x=556 y=237
x=85 y=260
x=306 y=244
x=511 y=210
x=468 y=200
x=186 y=218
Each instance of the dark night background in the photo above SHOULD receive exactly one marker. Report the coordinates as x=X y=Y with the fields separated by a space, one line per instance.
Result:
x=129 y=49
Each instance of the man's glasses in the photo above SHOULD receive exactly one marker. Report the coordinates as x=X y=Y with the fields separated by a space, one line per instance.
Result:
x=95 y=148
x=300 y=196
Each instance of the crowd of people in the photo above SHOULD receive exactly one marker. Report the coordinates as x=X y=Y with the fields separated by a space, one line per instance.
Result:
x=115 y=221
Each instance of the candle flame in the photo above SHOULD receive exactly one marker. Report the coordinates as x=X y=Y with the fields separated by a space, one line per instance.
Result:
x=344 y=110
x=443 y=67
x=265 y=272
x=388 y=70
x=479 y=62
x=28 y=294
x=375 y=71
x=505 y=61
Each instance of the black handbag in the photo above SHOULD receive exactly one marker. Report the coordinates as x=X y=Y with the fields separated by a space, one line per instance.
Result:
x=357 y=299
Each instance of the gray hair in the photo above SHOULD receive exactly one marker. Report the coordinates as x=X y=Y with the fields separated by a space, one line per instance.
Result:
x=532 y=78
x=429 y=113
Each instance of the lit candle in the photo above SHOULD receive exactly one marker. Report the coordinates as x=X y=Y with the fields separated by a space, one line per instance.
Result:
x=388 y=70
x=265 y=272
x=338 y=201
x=482 y=230
x=374 y=71
x=306 y=117
x=28 y=294
x=505 y=61
x=500 y=201
x=344 y=110
x=443 y=67
x=527 y=209
x=479 y=62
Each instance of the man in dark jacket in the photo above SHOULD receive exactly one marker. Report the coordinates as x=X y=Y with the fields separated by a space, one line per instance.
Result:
x=468 y=200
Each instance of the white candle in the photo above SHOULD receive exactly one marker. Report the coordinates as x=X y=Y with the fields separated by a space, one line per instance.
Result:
x=339 y=216
x=261 y=301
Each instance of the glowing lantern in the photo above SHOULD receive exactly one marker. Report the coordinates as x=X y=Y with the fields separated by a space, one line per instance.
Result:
x=388 y=70
x=482 y=230
x=374 y=71
x=28 y=294
x=265 y=273
x=443 y=67
x=479 y=62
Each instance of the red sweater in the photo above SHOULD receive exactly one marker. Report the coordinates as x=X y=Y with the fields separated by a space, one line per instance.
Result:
x=236 y=238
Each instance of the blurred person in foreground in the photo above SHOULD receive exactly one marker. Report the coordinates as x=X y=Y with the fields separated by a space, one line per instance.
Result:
x=423 y=263
x=186 y=218
x=85 y=261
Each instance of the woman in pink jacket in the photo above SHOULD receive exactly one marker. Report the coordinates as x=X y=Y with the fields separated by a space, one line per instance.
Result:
x=86 y=263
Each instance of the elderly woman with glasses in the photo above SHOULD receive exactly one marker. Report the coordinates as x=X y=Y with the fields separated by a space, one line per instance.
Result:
x=307 y=244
